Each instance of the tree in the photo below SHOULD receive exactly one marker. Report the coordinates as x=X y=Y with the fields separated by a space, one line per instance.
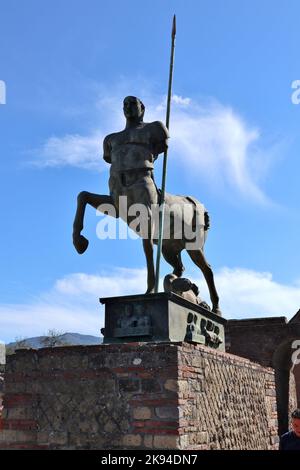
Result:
x=53 y=339
x=20 y=343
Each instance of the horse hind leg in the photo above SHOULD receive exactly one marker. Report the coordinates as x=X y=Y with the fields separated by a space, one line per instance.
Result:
x=174 y=259
x=198 y=258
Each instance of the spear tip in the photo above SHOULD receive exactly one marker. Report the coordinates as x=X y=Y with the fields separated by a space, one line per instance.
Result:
x=174 y=26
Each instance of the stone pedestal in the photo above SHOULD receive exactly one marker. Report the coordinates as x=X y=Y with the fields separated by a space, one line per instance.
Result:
x=161 y=317
x=137 y=396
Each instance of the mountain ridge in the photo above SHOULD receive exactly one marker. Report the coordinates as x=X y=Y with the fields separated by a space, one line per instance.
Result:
x=65 y=339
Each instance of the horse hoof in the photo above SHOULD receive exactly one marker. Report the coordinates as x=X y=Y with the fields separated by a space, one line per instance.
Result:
x=179 y=272
x=80 y=243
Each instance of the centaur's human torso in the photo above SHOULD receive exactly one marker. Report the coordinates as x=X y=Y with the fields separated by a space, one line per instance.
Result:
x=132 y=153
x=135 y=147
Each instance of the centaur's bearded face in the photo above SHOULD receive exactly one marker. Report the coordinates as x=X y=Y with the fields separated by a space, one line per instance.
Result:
x=133 y=108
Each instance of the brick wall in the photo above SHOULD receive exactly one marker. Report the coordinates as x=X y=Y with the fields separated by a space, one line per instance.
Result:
x=268 y=341
x=141 y=396
x=256 y=339
x=227 y=402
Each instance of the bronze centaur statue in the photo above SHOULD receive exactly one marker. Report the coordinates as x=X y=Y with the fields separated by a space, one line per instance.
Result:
x=132 y=153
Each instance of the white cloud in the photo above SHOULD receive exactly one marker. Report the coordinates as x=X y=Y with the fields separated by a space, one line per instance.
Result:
x=121 y=281
x=72 y=150
x=180 y=100
x=247 y=293
x=72 y=304
x=217 y=145
x=35 y=319
x=210 y=142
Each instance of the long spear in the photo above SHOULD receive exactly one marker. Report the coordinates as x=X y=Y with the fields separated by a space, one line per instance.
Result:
x=163 y=184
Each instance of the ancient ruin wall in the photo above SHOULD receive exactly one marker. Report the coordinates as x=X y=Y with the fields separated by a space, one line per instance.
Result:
x=141 y=396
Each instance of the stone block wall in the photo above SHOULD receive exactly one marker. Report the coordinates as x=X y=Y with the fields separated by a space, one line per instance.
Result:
x=137 y=396
x=256 y=339
x=270 y=343
x=227 y=402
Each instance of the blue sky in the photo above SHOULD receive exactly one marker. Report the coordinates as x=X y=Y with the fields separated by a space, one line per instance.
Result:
x=234 y=145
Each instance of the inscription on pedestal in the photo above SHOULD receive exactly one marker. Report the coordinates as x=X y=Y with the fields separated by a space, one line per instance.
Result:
x=203 y=331
x=132 y=324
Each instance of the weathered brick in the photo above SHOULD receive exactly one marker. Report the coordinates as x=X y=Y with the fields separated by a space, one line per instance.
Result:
x=23 y=446
x=202 y=437
x=20 y=424
x=171 y=385
x=150 y=385
x=75 y=361
x=9 y=436
x=129 y=385
x=59 y=438
x=126 y=369
x=110 y=426
x=156 y=431
x=142 y=412
x=167 y=412
x=17 y=399
x=155 y=424
x=165 y=442
x=132 y=440
x=148 y=441
x=153 y=402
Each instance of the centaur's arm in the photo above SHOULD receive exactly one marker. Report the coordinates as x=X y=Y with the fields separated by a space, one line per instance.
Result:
x=107 y=149
x=159 y=139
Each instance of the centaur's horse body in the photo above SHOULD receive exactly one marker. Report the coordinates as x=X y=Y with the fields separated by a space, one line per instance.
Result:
x=131 y=154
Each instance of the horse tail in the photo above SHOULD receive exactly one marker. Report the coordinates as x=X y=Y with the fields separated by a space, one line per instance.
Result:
x=200 y=209
x=206 y=221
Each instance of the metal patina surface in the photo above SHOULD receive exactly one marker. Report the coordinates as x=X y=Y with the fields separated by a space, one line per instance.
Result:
x=160 y=317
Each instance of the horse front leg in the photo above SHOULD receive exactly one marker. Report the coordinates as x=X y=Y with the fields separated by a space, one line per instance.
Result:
x=79 y=241
x=95 y=200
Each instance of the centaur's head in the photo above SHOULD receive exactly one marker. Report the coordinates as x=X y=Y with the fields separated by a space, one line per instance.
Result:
x=133 y=108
